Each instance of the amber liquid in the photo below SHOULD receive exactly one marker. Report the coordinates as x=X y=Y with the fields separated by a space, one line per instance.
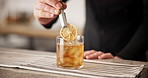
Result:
x=70 y=55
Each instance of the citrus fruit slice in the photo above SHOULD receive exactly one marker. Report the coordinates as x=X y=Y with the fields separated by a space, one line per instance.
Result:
x=68 y=32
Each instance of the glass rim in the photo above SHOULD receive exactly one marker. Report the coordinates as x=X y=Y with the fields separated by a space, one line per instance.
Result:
x=59 y=37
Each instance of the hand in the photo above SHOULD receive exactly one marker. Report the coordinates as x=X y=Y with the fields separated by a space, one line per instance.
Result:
x=92 y=54
x=46 y=11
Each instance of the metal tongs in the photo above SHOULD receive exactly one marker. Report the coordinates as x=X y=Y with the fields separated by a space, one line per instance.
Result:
x=63 y=19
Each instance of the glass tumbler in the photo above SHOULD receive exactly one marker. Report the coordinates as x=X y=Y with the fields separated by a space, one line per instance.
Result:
x=70 y=54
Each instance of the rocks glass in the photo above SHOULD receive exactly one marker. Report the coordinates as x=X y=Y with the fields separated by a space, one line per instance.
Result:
x=70 y=54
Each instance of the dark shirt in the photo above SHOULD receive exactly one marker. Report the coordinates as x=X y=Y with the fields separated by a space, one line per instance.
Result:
x=117 y=26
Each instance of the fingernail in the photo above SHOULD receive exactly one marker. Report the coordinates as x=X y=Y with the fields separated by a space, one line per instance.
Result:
x=99 y=57
x=55 y=11
x=51 y=15
x=87 y=57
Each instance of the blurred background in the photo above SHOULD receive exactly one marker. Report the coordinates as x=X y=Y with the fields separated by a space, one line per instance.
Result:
x=19 y=29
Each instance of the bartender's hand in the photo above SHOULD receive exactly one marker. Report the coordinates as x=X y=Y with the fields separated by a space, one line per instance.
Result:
x=93 y=54
x=46 y=11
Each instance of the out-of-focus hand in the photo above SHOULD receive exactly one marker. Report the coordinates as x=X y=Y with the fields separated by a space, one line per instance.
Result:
x=47 y=10
x=93 y=54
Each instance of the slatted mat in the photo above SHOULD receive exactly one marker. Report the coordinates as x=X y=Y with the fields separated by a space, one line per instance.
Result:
x=47 y=63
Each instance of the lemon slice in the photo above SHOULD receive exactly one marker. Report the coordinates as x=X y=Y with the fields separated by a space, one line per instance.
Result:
x=68 y=32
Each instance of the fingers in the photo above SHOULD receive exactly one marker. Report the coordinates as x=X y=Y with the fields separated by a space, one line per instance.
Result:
x=86 y=53
x=54 y=3
x=48 y=10
x=92 y=54
x=43 y=14
x=44 y=10
x=64 y=5
x=106 y=56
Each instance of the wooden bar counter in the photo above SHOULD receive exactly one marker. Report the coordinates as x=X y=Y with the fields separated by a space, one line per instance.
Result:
x=41 y=64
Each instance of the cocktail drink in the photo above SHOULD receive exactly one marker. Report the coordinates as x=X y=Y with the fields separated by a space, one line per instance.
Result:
x=70 y=54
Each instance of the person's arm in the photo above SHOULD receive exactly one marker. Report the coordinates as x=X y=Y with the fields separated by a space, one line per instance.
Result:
x=139 y=43
x=135 y=48
x=47 y=11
